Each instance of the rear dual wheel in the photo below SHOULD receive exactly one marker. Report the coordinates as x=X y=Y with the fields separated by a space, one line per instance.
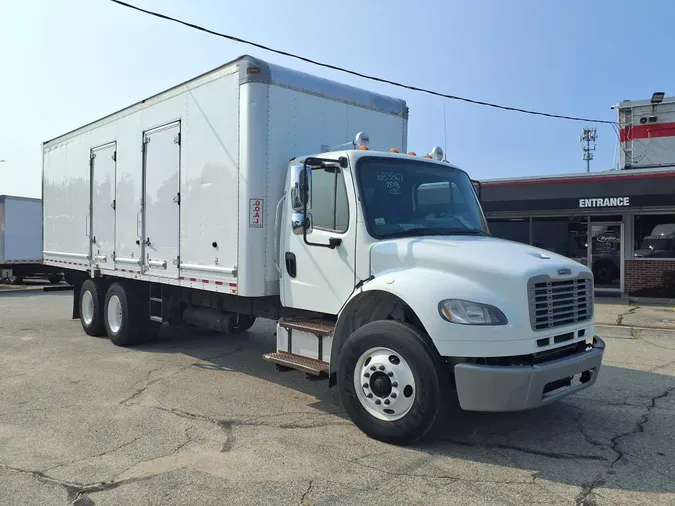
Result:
x=126 y=321
x=92 y=296
x=115 y=310
x=391 y=381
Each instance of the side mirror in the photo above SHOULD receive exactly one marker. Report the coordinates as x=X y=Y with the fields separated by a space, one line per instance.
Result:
x=301 y=222
x=478 y=188
x=301 y=187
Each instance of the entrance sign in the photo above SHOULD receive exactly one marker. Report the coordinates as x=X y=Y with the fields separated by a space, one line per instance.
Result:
x=605 y=202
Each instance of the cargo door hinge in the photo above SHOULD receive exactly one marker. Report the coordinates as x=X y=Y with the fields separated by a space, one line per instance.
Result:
x=114 y=205
x=176 y=199
x=177 y=139
x=92 y=155
x=176 y=261
x=114 y=156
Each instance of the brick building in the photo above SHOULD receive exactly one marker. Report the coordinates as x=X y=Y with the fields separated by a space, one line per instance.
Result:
x=621 y=223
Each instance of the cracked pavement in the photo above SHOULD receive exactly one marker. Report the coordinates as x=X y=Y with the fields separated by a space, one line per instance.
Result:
x=200 y=418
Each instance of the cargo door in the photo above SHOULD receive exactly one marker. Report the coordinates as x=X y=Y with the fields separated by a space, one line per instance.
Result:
x=161 y=231
x=103 y=172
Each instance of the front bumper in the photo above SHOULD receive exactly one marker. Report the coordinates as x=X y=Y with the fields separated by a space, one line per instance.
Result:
x=517 y=388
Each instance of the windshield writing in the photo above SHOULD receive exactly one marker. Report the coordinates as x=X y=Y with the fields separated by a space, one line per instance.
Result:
x=411 y=198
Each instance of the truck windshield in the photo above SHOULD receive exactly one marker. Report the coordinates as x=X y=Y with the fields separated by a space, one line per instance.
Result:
x=410 y=198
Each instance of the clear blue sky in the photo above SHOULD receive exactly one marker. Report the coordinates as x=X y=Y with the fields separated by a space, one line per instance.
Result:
x=64 y=63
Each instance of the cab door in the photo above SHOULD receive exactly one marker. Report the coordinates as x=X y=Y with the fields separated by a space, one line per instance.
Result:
x=318 y=271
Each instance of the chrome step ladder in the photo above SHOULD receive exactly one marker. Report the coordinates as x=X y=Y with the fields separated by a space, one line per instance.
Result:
x=157 y=303
x=303 y=345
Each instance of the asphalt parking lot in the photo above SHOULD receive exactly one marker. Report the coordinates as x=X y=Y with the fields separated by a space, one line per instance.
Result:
x=200 y=418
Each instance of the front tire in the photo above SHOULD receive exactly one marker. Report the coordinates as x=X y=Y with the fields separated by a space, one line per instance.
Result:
x=123 y=318
x=92 y=296
x=389 y=377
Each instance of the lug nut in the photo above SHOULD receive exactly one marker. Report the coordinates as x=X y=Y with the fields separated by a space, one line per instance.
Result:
x=390 y=374
x=394 y=384
x=367 y=375
x=378 y=402
x=372 y=368
x=393 y=395
x=369 y=395
x=365 y=385
x=381 y=368
x=386 y=401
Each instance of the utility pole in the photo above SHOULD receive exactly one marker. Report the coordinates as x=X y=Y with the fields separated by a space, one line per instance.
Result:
x=589 y=136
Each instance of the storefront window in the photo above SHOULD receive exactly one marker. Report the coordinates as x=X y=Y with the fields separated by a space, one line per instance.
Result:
x=565 y=236
x=654 y=236
x=606 y=254
x=512 y=229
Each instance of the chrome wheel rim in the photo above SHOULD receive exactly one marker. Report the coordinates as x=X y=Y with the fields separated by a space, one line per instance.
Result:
x=114 y=314
x=87 y=307
x=384 y=384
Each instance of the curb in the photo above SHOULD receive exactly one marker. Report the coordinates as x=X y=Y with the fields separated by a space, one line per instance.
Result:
x=629 y=327
x=31 y=289
x=652 y=301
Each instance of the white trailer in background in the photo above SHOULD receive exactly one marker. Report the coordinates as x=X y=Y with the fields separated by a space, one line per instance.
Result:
x=245 y=193
x=21 y=240
x=647 y=132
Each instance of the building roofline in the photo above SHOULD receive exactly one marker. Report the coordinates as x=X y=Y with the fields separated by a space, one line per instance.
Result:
x=624 y=104
x=583 y=176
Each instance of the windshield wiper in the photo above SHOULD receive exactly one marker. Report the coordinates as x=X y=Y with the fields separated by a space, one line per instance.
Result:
x=468 y=231
x=416 y=232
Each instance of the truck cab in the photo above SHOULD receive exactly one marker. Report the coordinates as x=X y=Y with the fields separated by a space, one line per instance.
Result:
x=413 y=298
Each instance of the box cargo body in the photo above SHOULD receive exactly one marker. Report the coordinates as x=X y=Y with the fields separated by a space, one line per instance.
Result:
x=182 y=188
x=20 y=230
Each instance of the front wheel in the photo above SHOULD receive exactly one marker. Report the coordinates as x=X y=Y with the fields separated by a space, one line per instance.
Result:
x=390 y=381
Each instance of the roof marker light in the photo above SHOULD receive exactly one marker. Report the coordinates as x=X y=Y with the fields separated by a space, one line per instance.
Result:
x=437 y=153
x=362 y=141
x=412 y=153
x=393 y=150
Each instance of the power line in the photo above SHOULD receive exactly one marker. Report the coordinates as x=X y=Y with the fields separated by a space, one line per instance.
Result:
x=359 y=74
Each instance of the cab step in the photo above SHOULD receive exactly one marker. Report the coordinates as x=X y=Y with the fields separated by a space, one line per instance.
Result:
x=293 y=361
x=317 y=327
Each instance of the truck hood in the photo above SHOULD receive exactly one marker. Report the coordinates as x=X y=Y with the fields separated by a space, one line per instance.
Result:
x=479 y=258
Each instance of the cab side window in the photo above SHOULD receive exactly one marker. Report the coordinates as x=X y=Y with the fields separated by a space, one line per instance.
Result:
x=330 y=208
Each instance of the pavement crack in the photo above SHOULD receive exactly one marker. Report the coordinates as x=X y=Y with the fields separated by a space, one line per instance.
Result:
x=639 y=427
x=620 y=317
x=227 y=426
x=443 y=477
x=139 y=391
x=529 y=451
x=588 y=438
x=220 y=355
x=107 y=452
x=587 y=495
x=304 y=495
x=72 y=488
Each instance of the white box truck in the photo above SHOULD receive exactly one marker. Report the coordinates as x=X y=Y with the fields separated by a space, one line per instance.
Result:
x=245 y=193
x=21 y=240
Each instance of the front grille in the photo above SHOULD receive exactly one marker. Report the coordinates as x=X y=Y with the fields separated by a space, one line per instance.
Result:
x=555 y=303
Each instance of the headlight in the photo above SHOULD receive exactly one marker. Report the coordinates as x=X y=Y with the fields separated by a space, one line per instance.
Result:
x=470 y=313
